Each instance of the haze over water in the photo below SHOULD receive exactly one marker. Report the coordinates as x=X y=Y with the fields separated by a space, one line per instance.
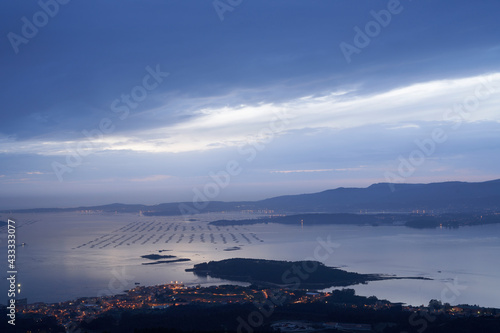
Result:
x=69 y=255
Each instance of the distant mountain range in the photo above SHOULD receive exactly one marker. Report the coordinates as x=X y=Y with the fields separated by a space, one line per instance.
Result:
x=447 y=197
x=444 y=197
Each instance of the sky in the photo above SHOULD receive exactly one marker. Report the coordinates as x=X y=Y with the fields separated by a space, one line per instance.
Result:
x=159 y=101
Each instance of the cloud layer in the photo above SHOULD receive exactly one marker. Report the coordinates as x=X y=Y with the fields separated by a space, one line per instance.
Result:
x=151 y=98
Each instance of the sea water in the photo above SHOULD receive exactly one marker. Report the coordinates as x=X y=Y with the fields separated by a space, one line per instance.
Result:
x=71 y=255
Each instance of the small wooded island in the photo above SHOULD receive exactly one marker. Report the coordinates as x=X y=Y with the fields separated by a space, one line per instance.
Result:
x=294 y=274
x=157 y=257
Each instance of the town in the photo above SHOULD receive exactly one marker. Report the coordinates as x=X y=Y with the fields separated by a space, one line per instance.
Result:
x=148 y=300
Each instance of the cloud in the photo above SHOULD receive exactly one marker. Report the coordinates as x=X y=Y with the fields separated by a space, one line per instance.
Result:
x=299 y=171
x=404 y=126
x=154 y=178
x=446 y=101
x=318 y=170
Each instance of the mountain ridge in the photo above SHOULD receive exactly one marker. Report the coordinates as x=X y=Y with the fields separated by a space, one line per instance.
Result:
x=450 y=196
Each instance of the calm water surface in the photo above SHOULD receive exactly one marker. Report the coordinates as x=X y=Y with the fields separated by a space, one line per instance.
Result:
x=68 y=255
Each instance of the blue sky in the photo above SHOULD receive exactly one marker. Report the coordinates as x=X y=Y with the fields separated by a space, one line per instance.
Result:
x=141 y=101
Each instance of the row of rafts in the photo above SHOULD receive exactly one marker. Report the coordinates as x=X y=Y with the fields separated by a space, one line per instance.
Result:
x=155 y=226
x=139 y=233
x=117 y=240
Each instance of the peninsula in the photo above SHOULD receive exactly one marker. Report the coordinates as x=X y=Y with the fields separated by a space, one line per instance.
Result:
x=294 y=274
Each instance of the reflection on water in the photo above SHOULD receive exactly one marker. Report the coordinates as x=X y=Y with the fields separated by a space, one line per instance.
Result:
x=164 y=232
x=68 y=255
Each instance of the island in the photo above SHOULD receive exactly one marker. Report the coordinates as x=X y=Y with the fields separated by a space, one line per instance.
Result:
x=166 y=261
x=292 y=274
x=157 y=256
x=234 y=248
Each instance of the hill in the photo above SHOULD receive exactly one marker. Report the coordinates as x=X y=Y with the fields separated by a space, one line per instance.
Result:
x=303 y=274
x=447 y=197
x=443 y=197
